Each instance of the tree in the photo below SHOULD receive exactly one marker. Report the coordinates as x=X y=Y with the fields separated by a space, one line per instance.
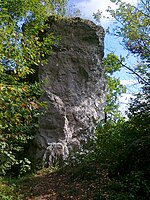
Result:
x=20 y=50
x=133 y=27
x=116 y=139
x=125 y=145
x=114 y=88
x=139 y=111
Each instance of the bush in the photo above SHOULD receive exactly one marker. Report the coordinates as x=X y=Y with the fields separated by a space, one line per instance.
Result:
x=133 y=186
x=19 y=114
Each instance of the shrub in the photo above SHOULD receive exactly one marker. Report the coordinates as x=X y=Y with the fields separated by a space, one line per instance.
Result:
x=19 y=114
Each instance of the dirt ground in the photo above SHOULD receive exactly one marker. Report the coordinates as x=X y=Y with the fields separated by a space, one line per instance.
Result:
x=63 y=185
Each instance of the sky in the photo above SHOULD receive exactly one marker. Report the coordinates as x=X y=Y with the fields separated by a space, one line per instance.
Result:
x=87 y=8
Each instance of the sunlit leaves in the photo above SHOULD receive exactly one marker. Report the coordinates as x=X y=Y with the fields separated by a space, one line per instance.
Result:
x=19 y=112
x=21 y=22
x=112 y=63
x=21 y=50
x=114 y=88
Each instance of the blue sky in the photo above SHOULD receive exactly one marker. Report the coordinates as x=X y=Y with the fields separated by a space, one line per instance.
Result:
x=87 y=8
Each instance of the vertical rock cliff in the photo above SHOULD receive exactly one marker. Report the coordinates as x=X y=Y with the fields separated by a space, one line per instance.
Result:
x=74 y=89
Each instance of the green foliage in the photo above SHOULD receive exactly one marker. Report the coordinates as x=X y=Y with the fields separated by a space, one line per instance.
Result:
x=59 y=7
x=114 y=88
x=19 y=114
x=21 y=45
x=114 y=138
x=97 y=16
x=140 y=106
x=123 y=148
x=21 y=50
x=133 y=186
x=111 y=142
x=117 y=151
x=133 y=28
x=112 y=63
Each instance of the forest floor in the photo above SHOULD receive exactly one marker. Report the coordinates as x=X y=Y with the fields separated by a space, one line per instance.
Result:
x=85 y=183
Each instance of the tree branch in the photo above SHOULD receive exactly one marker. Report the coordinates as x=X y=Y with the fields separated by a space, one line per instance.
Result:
x=133 y=72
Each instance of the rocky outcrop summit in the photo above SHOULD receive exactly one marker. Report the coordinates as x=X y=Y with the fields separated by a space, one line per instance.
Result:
x=74 y=89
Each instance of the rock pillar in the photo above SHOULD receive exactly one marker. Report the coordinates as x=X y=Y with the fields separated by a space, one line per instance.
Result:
x=74 y=88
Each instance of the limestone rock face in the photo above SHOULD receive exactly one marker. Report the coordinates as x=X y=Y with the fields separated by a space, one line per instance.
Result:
x=74 y=88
